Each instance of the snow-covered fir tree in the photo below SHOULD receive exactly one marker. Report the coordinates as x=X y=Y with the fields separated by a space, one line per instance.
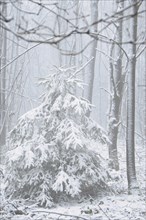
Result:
x=50 y=157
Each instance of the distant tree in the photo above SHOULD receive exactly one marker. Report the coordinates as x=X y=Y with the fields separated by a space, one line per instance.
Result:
x=3 y=51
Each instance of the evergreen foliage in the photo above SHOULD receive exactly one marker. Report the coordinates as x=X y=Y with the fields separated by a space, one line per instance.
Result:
x=50 y=157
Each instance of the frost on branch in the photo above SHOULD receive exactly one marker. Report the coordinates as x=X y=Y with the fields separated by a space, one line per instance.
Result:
x=50 y=157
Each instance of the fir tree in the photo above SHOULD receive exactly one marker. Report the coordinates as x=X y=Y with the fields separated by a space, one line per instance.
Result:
x=50 y=157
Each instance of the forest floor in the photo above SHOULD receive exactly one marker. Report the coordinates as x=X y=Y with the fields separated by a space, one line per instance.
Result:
x=118 y=206
x=122 y=207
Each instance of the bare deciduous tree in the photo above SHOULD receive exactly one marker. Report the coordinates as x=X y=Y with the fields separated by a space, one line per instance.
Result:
x=130 y=139
x=117 y=78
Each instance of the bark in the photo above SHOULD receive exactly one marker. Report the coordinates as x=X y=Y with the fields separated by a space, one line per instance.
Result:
x=3 y=109
x=145 y=92
x=2 y=81
x=62 y=27
x=94 y=17
x=130 y=139
x=117 y=79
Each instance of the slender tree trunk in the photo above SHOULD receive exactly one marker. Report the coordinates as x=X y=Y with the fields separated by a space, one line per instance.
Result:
x=94 y=18
x=117 y=79
x=62 y=25
x=2 y=80
x=3 y=109
x=130 y=139
x=145 y=91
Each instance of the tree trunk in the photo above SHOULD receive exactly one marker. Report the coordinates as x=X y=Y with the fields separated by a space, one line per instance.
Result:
x=2 y=80
x=3 y=109
x=130 y=139
x=145 y=92
x=94 y=18
x=117 y=79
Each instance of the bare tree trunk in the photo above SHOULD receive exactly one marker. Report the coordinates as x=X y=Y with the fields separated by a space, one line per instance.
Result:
x=145 y=92
x=117 y=79
x=94 y=17
x=3 y=109
x=62 y=25
x=2 y=80
x=130 y=139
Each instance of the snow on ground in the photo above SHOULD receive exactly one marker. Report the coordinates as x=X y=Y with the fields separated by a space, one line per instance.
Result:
x=122 y=207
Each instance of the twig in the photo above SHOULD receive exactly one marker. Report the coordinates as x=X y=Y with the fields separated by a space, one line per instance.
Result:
x=82 y=67
x=110 y=57
x=68 y=53
x=141 y=52
x=56 y=213
x=106 y=91
x=104 y=212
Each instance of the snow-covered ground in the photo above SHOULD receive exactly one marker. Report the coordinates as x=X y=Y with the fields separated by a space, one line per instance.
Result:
x=123 y=207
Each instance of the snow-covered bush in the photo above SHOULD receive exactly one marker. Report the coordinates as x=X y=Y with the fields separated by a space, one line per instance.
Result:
x=50 y=157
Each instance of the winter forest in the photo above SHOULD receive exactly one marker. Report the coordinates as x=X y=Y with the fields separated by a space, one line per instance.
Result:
x=72 y=109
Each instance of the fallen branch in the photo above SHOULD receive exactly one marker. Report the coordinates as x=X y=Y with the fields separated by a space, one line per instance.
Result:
x=61 y=214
